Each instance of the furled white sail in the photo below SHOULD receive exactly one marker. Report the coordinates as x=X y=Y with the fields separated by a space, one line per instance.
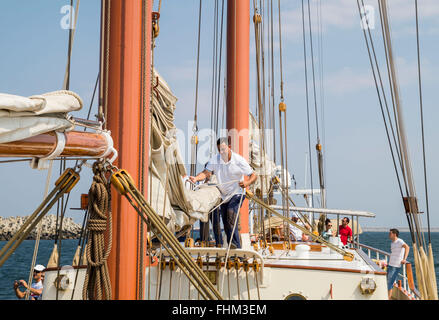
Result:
x=22 y=117
x=169 y=194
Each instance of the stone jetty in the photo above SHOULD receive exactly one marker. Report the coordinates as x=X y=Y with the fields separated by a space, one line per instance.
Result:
x=10 y=225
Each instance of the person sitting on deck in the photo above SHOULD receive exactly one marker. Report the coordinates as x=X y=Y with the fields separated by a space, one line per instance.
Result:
x=229 y=168
x=345 y=231
x=36 y=288
x=327 y=233
x=296 y=233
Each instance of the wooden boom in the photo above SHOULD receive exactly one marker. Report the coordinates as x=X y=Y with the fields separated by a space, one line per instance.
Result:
x=78 y=144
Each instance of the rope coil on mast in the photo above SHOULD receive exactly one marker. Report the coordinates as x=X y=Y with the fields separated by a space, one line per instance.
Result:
x=97 y=284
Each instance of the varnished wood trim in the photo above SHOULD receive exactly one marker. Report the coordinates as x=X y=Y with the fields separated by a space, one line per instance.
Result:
x=78 y=143
x=74 y=267
x=322 y=269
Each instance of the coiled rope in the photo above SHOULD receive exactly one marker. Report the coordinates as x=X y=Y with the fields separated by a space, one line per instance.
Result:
x=97 y=284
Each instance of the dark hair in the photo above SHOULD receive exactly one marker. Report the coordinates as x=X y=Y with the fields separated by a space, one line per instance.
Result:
x=327 y=221
x=395 y=231
x=346 y=219
x=224 y=140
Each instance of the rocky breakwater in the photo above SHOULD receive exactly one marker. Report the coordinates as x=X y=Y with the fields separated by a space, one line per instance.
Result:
x=9 y=226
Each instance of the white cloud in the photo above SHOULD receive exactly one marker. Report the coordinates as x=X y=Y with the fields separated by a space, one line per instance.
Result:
x=343 y=14
x=348 y=80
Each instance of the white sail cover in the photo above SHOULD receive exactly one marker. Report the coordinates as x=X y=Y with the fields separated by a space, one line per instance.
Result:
x=169 y=195
x=25 y=117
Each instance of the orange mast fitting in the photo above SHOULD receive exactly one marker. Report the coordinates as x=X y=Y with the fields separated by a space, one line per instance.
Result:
x=238 y=71
x=124 y=106
x=78 y=144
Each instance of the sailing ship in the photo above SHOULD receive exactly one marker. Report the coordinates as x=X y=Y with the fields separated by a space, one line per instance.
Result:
x=140 y=204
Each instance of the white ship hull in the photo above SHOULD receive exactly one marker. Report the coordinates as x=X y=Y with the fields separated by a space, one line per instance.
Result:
x=283 y=274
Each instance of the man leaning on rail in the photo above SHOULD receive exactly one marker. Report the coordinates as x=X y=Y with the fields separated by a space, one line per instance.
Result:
x=229 y=168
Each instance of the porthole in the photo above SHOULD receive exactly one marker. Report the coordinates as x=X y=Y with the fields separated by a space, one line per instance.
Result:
x=295 y=296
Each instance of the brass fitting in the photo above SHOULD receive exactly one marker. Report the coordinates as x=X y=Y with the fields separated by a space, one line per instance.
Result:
x=189 y=243
x=257 y=18
x=155 y=24
x=163 y=264
x=237 y=263
x=282 y=107
x=200 y=261
x=172 y=264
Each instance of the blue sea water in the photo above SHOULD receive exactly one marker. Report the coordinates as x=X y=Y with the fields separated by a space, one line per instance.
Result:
x=17 y=266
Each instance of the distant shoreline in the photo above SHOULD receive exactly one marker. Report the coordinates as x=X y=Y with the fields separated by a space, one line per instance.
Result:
x=401 y=229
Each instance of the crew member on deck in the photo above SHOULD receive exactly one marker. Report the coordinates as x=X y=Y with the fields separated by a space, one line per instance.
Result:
x=229 y=168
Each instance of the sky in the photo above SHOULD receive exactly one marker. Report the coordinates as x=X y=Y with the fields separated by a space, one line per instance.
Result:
x=358 y=167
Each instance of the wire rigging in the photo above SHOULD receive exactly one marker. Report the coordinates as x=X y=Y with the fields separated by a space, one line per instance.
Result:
x=195 y=127
x=307 y=97
x=422 y=119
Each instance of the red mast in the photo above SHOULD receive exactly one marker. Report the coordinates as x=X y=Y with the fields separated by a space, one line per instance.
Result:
x=126 y=98
x=238 y=66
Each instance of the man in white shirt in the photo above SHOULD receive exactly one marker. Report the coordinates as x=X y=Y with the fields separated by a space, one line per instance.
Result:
x=399 y=252
x=230 y=169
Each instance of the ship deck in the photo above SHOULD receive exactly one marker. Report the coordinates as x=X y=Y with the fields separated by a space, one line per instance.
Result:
x=319 y=257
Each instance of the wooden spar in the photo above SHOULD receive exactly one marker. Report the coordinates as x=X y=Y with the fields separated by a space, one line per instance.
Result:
x=238 y=70
x=124 y=106
x=78 y=144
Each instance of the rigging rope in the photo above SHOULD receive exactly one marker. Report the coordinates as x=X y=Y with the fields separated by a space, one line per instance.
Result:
x=283 y=110
x=231 y=237
x=422 y=120
x=257 y=20
x=66 y=86
x=429 y=264
x=346 y=255
x=307 y=98
x=424 y=269
x=63 y=185
x=39 y=228
x=125 y=186
x=370 y=49
x=63 y=163
x=105 y=61
x=194 y=140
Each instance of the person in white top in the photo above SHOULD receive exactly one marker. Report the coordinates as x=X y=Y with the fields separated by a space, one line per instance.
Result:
x=296 y=233
x=399 y=253
x=230 y=169
x=36 y=288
